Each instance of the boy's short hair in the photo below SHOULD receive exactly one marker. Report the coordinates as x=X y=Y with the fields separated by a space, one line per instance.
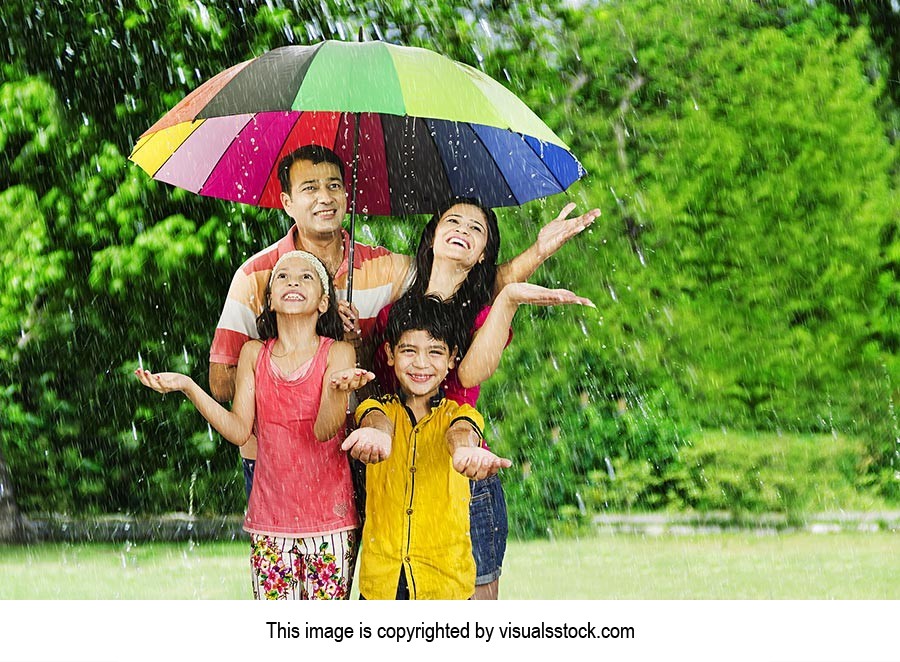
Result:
x=315 y=153
x=428 y=314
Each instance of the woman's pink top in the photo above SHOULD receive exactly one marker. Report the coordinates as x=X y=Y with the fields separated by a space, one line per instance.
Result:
x=453 y=390
x=301 y=486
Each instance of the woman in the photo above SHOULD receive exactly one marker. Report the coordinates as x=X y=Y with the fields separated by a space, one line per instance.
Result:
x=457 y=261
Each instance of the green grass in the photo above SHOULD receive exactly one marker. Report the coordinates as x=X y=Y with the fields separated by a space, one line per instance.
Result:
x=727 y=566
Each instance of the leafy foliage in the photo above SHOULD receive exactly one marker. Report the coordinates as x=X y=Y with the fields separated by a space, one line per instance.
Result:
x=746 y=268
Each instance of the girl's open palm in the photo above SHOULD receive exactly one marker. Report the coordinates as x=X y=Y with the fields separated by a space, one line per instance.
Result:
x=350 y=379
x=163 y=382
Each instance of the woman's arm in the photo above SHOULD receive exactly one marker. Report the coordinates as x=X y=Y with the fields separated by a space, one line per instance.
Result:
x=483 y=356
x=550 y=239
x=341 y=377
x=235 y=425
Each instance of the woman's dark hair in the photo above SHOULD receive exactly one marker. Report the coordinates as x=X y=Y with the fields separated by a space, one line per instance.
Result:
x=429 y=314
x=329 y=323
x=477 y=290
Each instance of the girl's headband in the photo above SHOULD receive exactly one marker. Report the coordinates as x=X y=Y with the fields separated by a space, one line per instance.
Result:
x=309 y=257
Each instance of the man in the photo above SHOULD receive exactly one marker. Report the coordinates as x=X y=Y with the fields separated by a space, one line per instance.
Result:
x=314 y=196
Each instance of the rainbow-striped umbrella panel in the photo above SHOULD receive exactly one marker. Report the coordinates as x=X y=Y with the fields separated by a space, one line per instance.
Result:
x=429 y=129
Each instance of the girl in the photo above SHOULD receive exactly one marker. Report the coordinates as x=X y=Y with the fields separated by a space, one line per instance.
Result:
x=457 y=261
x=291 y=390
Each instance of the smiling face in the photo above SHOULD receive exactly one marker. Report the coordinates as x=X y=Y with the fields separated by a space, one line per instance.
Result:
x=420 y=362
x=296 y=288
x=461 y=235
x=317 y=200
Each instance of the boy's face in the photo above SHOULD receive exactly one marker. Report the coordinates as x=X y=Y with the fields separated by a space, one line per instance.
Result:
x=420 y=362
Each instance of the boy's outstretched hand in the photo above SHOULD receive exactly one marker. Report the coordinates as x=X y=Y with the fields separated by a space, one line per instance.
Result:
x=476 y=463
x=163 y=382
x=350 y=379
x=368 y=445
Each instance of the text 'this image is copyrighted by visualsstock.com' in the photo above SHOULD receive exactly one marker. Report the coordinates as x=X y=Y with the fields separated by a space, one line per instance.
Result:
x=430 y=632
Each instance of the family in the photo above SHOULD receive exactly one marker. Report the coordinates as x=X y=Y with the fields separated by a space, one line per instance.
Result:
x=427 y=516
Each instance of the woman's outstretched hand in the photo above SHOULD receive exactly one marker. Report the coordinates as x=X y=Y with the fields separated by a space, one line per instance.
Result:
x=558 y=231
x=350 y=379
x=163 y=382
x=536 y=295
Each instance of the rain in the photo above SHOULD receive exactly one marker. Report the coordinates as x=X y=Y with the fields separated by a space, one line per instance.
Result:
x=735 y=387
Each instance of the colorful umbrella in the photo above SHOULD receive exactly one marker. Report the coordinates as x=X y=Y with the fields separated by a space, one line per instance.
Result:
x=417 y=128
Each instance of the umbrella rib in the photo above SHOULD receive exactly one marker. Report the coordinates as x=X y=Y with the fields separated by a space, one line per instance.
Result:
x=221 y=156
x=276 y=162
x=497 y=165
x=432 y=136
x=169 y=157
x=546 y=167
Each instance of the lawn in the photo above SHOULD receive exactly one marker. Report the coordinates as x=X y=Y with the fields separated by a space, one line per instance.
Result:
x=726 y=566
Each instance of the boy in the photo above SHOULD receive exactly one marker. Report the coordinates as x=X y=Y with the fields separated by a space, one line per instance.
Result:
x=416 y=536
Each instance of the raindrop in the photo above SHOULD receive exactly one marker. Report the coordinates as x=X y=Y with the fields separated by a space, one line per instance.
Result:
x=184 y=351
x=204 y=14
x=133 y=430
x=581 y=507
x=609 y=468
x=140 y=361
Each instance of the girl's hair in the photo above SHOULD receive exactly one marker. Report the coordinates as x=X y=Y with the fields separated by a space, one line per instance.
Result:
x=328 y=325
x=478 y=288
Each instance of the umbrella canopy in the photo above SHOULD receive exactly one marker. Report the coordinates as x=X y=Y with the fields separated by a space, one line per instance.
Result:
x=426 y=129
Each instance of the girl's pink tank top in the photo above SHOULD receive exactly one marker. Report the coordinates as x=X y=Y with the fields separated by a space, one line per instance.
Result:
x=301 y=487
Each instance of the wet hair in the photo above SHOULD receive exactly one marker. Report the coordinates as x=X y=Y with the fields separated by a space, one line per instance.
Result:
x=315 y=153
x=477 y=290
x=329 y=323
x=428 y=314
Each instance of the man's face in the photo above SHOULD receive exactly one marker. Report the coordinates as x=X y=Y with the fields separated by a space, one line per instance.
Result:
x=317 y=200
x=420 y=362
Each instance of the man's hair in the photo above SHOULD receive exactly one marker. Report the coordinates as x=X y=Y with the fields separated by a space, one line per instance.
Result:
x=315 y=153
x=440 y=320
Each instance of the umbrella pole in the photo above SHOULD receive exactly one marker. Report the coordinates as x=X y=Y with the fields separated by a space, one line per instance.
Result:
x=355 y=167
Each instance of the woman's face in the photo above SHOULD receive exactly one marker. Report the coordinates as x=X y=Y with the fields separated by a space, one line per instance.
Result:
x=461 y=235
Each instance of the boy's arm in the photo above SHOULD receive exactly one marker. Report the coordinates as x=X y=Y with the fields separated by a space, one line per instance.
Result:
x=469 y=458
x=550 y=239
x=370 y=443
x=234 y=425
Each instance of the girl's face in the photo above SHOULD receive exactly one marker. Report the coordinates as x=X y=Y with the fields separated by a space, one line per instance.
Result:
x=461 y=235
x=296 y=288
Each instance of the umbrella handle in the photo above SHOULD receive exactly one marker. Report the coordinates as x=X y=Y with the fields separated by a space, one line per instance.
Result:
x=355 y=167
